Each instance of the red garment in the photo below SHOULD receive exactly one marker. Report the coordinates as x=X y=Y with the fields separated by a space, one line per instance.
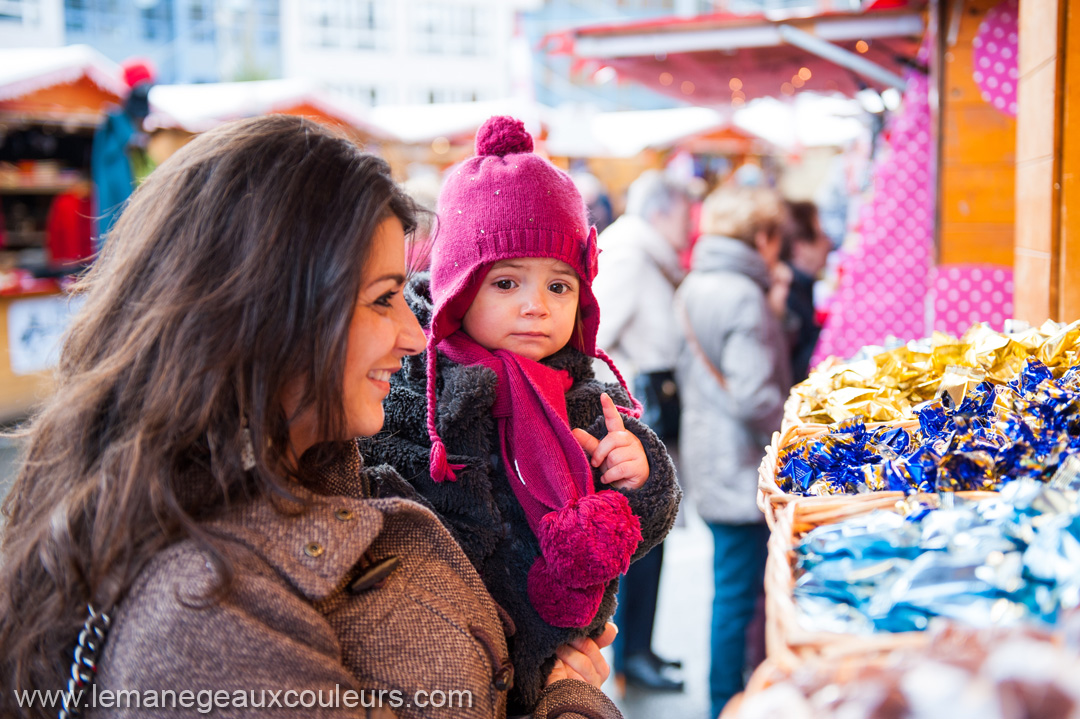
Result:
x=69 y=229
x=586 y=537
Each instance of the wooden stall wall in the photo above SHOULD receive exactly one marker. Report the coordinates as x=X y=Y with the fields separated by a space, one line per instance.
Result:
x=978 y=159
x=1048 y=160
x=1068 y=279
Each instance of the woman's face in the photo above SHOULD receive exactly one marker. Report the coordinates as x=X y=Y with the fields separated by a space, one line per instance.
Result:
x=383 y=330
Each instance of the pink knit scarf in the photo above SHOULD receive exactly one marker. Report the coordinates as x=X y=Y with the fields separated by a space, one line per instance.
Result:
x=586 y=537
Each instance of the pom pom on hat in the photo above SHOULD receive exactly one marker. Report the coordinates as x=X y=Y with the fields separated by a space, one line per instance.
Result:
x=590 y=540
x=137 y=70
x=503 y=135
x=558 y=604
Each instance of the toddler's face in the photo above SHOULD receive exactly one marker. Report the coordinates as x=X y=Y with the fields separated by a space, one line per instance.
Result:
x=526 y=305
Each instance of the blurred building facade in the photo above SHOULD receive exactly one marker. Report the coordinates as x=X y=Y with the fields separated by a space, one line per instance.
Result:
x=396 y=52
x=31 y=23
x=187 y=40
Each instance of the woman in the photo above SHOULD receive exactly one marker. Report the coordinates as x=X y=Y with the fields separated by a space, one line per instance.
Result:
x=733 y=379
x=193 y=479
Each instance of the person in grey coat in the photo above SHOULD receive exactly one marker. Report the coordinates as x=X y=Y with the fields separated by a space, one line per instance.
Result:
x=733 y=374
x=192 y=530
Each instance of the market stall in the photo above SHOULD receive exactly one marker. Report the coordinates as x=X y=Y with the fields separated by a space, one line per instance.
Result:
x=51 y=100
x=179 y=112
x=616 y=147
x=940 y=500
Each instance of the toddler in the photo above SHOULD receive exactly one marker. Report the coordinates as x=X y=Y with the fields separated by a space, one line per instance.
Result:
x=549 y=486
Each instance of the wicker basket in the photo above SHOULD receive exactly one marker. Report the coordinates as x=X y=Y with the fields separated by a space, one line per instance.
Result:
x=771 y=498
x=788 y=644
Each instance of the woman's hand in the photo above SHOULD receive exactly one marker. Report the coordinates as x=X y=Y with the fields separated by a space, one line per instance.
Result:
x=581 y=659
x=620 y=455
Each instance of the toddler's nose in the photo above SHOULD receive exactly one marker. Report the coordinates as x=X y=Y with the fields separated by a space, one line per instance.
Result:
x=534 y=306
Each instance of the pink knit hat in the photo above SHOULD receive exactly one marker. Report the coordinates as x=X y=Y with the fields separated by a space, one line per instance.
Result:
x=506 y=202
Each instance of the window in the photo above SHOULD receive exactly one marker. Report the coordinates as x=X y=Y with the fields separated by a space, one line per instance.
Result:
x=27 y=12
x=269 y=22
x=348 y=24
x=363 y=94
x=445 y=29
x=201 y=21
x=75 y=15
x=436 y=95
x=646 y=4
x=155 y=21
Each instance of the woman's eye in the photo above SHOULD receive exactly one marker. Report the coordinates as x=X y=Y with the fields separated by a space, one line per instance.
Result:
x=387 y=299
x=504 y=284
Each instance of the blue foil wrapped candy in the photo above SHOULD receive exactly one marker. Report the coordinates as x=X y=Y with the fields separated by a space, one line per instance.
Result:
x=1013 y=559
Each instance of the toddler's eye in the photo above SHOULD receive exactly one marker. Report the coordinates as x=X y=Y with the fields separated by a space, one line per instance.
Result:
x=560 y=288
x=504 y=284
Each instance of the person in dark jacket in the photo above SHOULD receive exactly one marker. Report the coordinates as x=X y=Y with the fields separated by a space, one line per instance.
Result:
x=192 y=519
x=549 y=488
x=806 y=250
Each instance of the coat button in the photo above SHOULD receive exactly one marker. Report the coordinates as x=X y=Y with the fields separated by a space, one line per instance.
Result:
x=344 y=514
x=504 y=678
x=314 y=549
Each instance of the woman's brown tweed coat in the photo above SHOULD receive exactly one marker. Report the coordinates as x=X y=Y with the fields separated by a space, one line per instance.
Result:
x=291 y=621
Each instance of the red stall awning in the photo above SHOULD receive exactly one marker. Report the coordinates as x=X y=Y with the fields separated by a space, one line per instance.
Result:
x=729 y=59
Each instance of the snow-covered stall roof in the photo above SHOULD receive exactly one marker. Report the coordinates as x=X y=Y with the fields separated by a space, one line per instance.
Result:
x=418 y=124
x=27 y=70
x=200 y=107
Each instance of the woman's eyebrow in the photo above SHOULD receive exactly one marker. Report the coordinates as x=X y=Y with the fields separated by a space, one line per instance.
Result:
x=397 y=278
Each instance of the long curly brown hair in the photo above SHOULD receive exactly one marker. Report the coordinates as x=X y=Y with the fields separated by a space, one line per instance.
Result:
x=233 y=271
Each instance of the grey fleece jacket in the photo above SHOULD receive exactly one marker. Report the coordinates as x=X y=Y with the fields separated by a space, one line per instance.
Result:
x=480 y=508
x=723 y=430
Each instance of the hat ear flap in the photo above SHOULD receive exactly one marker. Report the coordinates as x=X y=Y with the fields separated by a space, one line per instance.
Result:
x=591 y=261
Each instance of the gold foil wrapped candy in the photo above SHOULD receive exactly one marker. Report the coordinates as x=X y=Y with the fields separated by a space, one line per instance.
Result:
x=886 y=386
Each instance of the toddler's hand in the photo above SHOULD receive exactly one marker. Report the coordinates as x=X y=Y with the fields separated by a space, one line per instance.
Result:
x=619 y=455
x=581 y=659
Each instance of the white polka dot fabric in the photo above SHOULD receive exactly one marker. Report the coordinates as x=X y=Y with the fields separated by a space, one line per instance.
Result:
x=885 y=281
x=970 y=293
x=994 y=52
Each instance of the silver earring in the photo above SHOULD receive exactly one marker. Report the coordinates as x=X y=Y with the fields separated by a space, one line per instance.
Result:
x=247 y=450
